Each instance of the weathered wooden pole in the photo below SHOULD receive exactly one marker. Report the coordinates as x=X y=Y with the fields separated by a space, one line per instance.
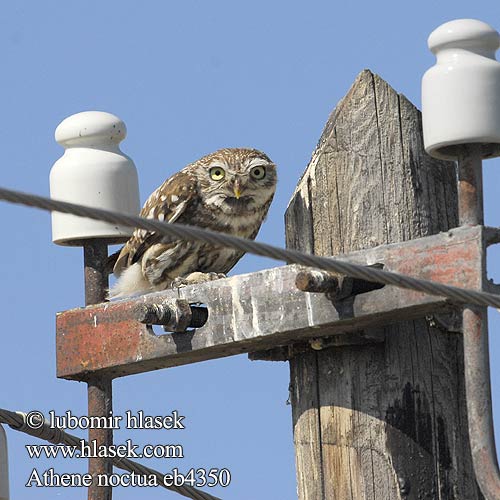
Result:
x=378 y=420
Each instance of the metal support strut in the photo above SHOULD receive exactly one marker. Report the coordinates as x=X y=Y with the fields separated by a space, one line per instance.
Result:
x=100 y=396
x=475 y=327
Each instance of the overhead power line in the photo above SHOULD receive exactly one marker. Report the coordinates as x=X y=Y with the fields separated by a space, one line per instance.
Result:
x=181 y=231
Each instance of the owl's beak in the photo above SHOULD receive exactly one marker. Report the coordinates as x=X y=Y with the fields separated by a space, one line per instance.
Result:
x=237 y=189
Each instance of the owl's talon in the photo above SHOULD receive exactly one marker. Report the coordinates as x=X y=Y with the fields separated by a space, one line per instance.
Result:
x=216 y=276
x=195 y=278
x=178 y=283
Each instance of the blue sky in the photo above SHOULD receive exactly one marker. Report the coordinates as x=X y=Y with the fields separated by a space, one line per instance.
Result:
x=187 y=78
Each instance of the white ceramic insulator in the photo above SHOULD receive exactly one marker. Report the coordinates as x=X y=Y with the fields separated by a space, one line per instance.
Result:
x=93 y=172
x=461 y=93
x=4 y=467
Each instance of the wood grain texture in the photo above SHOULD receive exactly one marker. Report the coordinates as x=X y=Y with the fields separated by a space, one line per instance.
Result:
x=385 y=420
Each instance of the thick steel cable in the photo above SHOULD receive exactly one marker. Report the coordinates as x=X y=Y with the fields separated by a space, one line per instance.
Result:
x=17 y=421
x=181 y=231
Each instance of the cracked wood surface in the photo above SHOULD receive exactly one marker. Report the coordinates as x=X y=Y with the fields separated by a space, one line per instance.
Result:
x=385 y=420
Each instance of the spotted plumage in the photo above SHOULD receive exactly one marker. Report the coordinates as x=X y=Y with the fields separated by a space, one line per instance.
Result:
x=229 y=191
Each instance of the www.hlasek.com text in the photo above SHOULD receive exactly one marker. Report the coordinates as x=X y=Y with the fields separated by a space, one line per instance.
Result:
x=93 y=450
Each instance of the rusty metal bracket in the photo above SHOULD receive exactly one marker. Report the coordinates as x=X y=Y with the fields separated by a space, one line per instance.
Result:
x=262 y=310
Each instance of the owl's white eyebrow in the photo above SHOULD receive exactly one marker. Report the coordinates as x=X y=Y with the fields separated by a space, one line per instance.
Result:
x=257 y=161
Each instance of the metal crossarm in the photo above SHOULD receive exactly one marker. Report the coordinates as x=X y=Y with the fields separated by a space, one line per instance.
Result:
x=251 y=312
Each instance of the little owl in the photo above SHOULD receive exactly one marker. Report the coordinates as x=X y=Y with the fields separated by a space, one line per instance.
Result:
x=227 y=191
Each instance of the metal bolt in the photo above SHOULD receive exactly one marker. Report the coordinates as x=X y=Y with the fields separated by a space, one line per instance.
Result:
x=154 y=314
x=199 y=316
x=337 y=287
x=175 y=315
x=317 y=281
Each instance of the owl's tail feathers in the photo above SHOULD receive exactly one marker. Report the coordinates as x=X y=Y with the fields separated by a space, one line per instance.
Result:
x=111 y=261
x=130 y=282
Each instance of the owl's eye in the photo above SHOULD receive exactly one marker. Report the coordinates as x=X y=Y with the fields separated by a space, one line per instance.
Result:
x=258 y=172
x=217 y=173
